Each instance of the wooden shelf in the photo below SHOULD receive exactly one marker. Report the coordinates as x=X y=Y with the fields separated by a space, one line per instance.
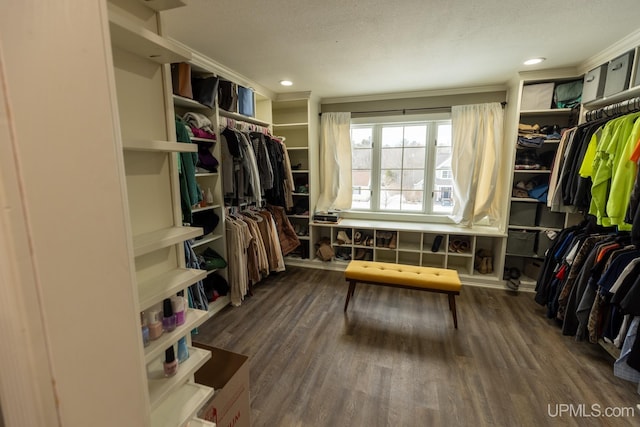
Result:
x=206 y=208
x=193 y=319
x=198 y=139
x=181 y=101
x=160 y=5
x=242 y=118
x=161 y=387
x=154 y=290
x=290 y=126
x=207 y=239
x=219 y=304
x=558 y=111
x=133 y=38
x=160 y=146
x=149 y=242
x=181 y=406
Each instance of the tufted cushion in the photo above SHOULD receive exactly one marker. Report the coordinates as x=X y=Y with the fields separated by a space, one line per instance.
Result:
x=399 y=274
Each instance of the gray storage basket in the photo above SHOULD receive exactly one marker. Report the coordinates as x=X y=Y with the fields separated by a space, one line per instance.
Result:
x=521 y=243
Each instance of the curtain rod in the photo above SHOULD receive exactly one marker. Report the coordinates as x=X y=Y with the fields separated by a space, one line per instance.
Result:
x=405 y=110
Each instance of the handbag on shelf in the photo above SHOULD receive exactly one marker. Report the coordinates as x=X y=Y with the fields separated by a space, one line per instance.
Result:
x=181 y=79
x=205 y=90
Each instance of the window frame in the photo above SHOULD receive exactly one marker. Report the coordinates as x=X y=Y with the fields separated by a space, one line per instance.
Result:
x=426 y=213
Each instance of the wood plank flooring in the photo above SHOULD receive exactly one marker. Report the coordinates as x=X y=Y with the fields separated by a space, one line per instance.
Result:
x=395 y=359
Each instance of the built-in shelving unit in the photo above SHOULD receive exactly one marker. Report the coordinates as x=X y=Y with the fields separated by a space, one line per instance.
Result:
x=142 y=77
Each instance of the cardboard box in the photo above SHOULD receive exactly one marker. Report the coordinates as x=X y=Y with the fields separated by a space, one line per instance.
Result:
x=228 y=374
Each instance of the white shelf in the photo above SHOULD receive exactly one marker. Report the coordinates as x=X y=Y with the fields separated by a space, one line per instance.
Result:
x=205 y=240
x=300 y=171
x=290 y=125
x=304 y=237
x=206 y=208
x=216 y=306
x=407 y=247
x=154 y=290
x=525 y=199
x=242 y=118
x=160 y=146
x=532 y=255
x=204 y=174
x=296 y=148
x=160 y=5
x=532 y=171
x=545 y=112
x=198 y=139
x=531 y=227
x=620 y=96
x=298 y=216
x=133 y=38
x=161 y=387
x=182 y=405
x=197 y=422
x=194 y=318
x=181 y=101
x=300 y=194
x=149 y=242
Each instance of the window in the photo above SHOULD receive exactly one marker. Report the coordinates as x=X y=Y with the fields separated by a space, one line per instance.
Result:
x=402 y=166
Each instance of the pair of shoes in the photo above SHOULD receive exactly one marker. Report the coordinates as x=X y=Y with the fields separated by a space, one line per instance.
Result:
x=368 y=256
x=386 y=239
x=513 y=281
x=360 y=253
x=393 y=242
x=459 y=246
x=367 y=240
x=357 y=238
x=343 y=238
x=484 y=261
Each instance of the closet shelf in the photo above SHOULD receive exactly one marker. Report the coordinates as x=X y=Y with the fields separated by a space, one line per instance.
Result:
x=532 y=255
x=154 y=290
x=217 y=305
x=290 y=125
x=620 y=96
x=207 y=239
x=545 y=112
x=204 y=174
x=206 y=208
x=532 y=171
x=181 y=101
x=197 y=422
x=534 y=228
x=193 y=319
x=161 y=146
x=300 y=171
x=300 y=194
x=610 y=348
x=299 y=216
x=181 y=406
x=296 y=148
x=525 y=199
x=160 y=387
x=160 y=5
x=242 y=118
x=198 y=139
x=133 y=38
x=154 y=240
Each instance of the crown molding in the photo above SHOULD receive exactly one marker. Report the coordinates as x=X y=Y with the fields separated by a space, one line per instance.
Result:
x=618 y=48
x=417 y=94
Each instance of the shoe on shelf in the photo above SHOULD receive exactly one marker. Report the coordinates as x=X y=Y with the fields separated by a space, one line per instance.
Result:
x=357 y=238
x=343 y=238
x=368 y=256
x=360 y=253
x=392 y=240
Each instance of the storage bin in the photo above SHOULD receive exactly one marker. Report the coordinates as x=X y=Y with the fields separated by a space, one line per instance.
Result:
x=245 y=101
x=521 y=243
x=228 y=96
x=544 y=242
x=523 y=213
x=618 y=74
x=636 y=78
x=594 y=80
x=537 y=96
x=546 y=218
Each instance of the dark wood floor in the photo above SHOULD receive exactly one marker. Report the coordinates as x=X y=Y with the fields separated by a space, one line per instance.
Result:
x=396 y=360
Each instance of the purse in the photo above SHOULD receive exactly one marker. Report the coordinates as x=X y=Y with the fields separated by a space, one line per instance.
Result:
x=181 y=79
x=205 y=90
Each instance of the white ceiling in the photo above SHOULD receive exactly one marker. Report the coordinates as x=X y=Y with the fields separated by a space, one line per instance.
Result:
x=338 y=48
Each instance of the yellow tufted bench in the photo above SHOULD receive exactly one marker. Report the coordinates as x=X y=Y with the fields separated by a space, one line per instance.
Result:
x=428 y=279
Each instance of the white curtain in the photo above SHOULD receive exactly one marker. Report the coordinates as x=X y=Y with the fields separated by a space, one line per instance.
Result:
x=335 y=162
x=476 y=163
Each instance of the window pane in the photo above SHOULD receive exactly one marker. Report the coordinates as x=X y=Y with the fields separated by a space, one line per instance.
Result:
x=391 y=158
x=415 y=136
x=361 y=159
x=361 y=195
x=412 y=200
x=391 y=179
x=413 y=179
x=444 y=135
x=443 y=182
x=414 y=158
x=390 y=200
x=392 y=136
x=361 y=137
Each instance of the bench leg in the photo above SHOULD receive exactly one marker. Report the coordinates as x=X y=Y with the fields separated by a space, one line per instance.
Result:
x=452 y=307
x=352 y=288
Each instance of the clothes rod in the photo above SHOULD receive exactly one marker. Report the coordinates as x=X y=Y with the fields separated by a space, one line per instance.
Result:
x=619 y=108
x=404 y=111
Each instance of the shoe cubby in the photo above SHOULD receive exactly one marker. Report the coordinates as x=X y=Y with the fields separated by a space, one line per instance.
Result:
x=435 y=243
x=460 y=245
x=434 y=259
x=342 y=237
x=385 y=255
x=409 y=258
x=363 y=254
x=488 y=247
x=462 y=264
x=386 y=239
x=409 y=241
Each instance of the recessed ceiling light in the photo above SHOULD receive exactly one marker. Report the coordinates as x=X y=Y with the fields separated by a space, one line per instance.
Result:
x=533 y=61
x=286 y=82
